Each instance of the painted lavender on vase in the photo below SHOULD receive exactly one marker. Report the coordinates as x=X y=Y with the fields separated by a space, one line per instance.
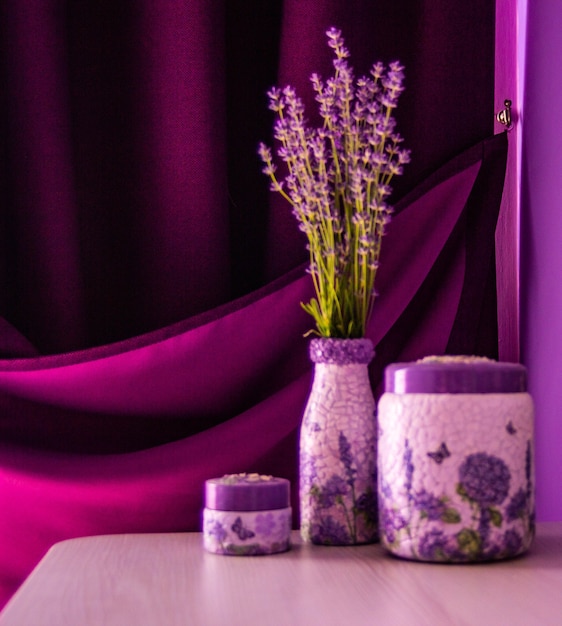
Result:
x=338 y=184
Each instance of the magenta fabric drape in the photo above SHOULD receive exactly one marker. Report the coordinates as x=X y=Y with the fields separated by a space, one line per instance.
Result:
x=150 y=330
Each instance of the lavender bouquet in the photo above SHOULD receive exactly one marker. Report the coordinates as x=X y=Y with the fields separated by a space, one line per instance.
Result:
x=338 y=183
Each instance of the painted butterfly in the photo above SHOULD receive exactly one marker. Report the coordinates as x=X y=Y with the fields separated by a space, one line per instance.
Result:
x=440 y=454
x=243 y=533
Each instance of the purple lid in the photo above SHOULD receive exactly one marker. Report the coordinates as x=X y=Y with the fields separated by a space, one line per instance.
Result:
x=455 y=374
x=247 y=492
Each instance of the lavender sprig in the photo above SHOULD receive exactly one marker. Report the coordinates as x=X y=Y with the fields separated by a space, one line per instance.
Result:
x=338 y=183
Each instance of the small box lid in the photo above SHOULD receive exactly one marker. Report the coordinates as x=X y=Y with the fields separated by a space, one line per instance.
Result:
x=247 y=492
x=455 y=374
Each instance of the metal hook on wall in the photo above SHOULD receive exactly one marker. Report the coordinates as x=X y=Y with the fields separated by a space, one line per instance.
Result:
x=504 y=116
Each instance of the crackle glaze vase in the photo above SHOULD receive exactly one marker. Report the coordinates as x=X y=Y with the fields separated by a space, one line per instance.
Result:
x=337 y=457
x=455 y=465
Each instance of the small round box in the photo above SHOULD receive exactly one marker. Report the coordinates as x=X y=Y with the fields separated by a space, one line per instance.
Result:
x=247 y=514
x=455 y=460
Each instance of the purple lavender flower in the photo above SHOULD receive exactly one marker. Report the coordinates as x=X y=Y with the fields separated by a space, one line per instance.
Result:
x=528 y=468
x=512 y=542
x=408 y=467
x=346 y=458
x=517 y=507
x=329 y=532
x=391 y=522
x=335 y=41
x=434 y=546
x=336 y=171
x=335 y=488
x=367 y=506
x=385 y=488
x=484 y=479
x=491 y=552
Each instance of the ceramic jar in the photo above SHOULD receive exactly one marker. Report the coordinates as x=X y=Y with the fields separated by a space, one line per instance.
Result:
x=247 y=515
x=455 y=460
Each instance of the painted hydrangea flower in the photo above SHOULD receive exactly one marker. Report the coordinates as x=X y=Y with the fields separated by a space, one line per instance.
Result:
x=434 y=546
x=265 y=523
x=338 y=182
x=429 y=505
x=512 y=542
x=485 y=479
x=216 y=529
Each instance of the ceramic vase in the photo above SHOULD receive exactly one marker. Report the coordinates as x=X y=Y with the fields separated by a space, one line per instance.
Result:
x=337 y=457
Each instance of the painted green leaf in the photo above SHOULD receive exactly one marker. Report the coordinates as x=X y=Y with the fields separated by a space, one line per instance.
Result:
x=469 y=541
x=462 y=491
x=315 y=491
x=243 y=550
x=496 y=517
x=450 y=516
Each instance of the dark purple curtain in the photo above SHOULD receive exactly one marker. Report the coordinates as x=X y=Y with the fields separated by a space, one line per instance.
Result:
x=149 y=282
x=131 y=192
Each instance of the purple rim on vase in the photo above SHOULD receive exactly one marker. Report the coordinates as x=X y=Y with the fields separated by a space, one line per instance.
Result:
x=335 y=351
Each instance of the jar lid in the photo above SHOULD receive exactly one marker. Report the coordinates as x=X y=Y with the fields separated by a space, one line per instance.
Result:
x=455 y=374
x=247 y=492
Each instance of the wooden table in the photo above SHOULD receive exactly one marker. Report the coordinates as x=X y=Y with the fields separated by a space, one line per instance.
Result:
x=168 y=580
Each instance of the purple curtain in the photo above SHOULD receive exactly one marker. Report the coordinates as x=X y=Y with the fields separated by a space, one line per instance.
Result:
x=149 y=283
x=131 y=191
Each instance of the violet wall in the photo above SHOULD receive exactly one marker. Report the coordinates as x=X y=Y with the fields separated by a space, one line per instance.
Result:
x=541 y=243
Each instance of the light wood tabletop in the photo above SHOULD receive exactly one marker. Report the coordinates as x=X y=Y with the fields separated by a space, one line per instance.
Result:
x=168 y=580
